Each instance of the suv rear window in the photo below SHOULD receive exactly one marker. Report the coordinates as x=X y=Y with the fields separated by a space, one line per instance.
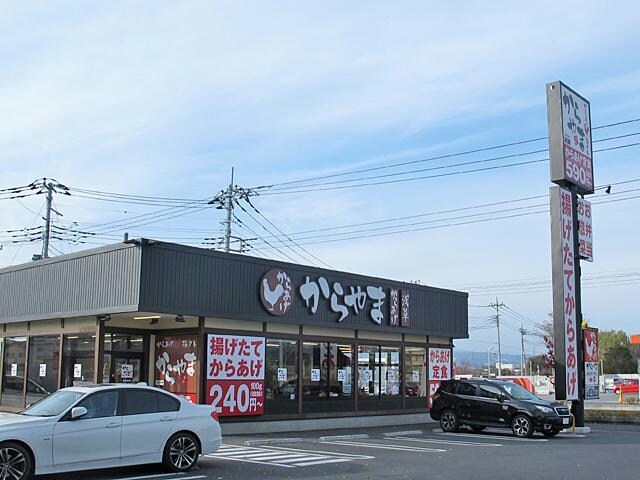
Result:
x=448 y=386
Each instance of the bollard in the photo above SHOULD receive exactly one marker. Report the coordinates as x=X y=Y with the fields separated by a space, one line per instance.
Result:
x=620 y=395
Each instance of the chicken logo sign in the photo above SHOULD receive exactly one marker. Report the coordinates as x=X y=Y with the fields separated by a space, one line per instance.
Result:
x=275 y=292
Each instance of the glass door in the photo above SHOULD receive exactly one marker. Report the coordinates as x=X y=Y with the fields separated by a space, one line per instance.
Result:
x=126 y=369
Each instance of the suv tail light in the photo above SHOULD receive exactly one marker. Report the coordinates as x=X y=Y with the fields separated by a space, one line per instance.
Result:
x=214 y=415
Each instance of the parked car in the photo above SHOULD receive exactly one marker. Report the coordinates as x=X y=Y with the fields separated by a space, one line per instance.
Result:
x=627 y=385
x=480 y=403
x=104 y=426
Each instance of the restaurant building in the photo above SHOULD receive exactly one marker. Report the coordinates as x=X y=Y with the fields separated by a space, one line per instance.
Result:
x=263 y=341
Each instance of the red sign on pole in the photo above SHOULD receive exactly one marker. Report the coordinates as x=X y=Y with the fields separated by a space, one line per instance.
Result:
x=235 y=374
x=439 y=369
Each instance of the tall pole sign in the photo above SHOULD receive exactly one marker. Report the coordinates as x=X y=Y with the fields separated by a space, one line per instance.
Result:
x=571 y=168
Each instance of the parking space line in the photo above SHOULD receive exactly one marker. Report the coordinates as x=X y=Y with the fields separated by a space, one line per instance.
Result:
x=350 y=455
x=157 y=475
x=383 y=446
x=449 y=442
x=246 y=460
x=501 y=437
x=332 y=460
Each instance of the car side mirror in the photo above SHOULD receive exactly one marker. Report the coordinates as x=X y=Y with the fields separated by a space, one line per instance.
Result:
x=78 y=412
x=502 y=398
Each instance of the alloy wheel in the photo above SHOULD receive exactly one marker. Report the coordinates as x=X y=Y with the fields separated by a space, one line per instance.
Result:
x=448 y=421
x=13 y=464
x=183 y=453
x=521 y=426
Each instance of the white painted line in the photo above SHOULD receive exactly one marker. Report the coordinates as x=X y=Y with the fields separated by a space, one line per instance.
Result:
x=400 y=434
x=322 y=462
x=344 y=437
x=449 y=442
x=266 y=441
x=387 y=447
x=263 y=456
x=250 y=461
x=307 y=458
x=158 y=475
x=478 y=436
x=335 y=454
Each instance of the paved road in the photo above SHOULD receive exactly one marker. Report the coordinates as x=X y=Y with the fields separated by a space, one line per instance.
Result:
x=611 y=451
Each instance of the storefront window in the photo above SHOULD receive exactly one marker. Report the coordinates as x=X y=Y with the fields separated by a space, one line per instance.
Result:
x=120 y=342
x=42 y=372
x=314 y=377
x=340 y=370
x=78 y=357
x=390 y=371
x=177 y=367
x=415 y=377
x=368 y=370
x=281 y=376
x=13 y=376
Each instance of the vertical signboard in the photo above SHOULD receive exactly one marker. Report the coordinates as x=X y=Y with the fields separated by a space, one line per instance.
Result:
x=591 y=377
x=235 y=374
x=177 y=365
x=565 y=299
x=570 y=148
x=585 y=230
x=439 y=369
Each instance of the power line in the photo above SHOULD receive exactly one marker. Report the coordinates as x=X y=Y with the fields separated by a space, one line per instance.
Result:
x=439 y=157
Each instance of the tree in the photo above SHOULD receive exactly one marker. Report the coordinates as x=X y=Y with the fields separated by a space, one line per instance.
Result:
x=619 y=359
x=609 y=339
x=540 y=365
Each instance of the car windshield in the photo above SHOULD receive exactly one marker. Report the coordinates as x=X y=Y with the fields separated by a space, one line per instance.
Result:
x=518 y=392
x=54 y=404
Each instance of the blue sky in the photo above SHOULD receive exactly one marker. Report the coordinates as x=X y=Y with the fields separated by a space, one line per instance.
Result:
x=162 y=98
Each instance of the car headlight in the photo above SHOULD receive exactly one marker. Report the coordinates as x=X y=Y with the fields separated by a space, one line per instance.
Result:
x=544 y=409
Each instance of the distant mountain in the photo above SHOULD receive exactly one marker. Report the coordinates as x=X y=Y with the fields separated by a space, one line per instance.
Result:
x=479 y=359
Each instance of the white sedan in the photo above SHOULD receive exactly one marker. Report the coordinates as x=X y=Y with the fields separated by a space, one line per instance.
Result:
x=104 y=426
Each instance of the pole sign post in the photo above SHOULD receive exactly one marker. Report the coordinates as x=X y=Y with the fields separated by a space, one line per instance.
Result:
x=571 y=169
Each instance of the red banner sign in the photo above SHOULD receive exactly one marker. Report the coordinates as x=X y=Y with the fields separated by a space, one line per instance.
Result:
x=235 y=374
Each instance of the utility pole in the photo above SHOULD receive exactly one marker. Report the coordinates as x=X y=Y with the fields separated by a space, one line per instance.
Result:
x=227 y=241
x=497 y=306
x=47 y=220
x=224 y=201
x=523 y=332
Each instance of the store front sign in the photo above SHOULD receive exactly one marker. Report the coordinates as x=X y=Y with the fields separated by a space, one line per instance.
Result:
x=585 y=230
x=439 y=369
x=235 y=374
x=177 y=365
x=382 y=306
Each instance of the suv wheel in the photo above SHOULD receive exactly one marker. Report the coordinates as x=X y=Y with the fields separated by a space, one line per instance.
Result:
x=449 y=421
x=522 y=426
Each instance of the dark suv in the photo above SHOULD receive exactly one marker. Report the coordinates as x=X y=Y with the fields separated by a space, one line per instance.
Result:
x=481 y=403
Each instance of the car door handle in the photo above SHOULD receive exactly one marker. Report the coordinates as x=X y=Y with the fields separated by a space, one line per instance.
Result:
x=166 y=419
x=112 y=425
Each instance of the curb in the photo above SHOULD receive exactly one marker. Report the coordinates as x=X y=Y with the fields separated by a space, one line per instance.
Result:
x=344 y=437
x=266 y=441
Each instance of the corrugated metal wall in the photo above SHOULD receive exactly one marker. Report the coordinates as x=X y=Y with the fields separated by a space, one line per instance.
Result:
x=190 y=281
x=104 y=280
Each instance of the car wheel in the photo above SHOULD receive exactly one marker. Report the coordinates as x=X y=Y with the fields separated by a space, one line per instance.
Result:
x=181 y=452
x=449 y=421
x=15 y=462
x=477 y=429
x=551 y=432
x=522 y=426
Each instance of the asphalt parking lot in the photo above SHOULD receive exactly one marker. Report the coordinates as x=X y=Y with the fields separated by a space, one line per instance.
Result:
x=416 y=452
